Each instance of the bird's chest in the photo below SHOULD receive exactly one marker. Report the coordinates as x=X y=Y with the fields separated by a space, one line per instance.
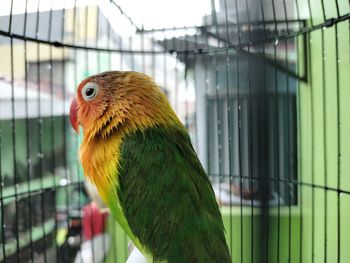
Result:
x=100 y=162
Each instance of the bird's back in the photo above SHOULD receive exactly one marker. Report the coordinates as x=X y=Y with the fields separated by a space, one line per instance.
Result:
x=167 y=198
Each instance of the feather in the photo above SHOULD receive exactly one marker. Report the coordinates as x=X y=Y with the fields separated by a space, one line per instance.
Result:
x=140 y=157
x=167 y=198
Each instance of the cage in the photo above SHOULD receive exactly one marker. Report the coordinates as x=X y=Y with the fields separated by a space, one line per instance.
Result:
x=261 y=86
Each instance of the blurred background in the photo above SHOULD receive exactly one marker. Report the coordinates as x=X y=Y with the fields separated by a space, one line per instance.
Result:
x=261 y=85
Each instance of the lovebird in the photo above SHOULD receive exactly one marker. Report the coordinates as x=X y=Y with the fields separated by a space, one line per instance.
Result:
x=138 y=154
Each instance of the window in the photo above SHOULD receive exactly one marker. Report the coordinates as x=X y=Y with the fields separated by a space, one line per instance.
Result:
x=236 y=121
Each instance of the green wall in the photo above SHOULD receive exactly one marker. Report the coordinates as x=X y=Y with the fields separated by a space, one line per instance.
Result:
x=324 y=145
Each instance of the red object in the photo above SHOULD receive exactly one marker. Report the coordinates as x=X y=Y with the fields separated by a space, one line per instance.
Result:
x=94 y=221
x=73 y=115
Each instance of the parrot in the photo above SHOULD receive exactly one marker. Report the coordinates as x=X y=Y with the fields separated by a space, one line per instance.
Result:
x=139 y=156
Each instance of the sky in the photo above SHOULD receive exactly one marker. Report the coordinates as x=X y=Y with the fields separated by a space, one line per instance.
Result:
x=153 y=13
x=150 y=13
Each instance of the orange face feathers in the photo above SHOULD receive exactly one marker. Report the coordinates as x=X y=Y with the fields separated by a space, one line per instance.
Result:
x=113 y=101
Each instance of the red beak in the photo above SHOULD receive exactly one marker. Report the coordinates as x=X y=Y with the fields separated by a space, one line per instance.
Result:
x=74 y=115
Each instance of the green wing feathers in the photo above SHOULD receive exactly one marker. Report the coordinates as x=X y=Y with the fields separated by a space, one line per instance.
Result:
x=167 y=198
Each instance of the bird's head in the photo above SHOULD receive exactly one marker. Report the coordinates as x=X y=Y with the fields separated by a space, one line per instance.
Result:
x=113 y=101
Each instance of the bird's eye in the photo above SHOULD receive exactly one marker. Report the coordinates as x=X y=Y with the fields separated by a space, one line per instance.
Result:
x=90 y=91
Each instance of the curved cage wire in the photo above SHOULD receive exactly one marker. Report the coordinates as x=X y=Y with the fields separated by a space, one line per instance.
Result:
x=262 y=87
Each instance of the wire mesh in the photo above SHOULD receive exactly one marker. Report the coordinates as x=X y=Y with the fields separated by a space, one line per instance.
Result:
x=261 y=86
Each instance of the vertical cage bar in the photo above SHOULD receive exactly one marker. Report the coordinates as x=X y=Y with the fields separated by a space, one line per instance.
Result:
x=28 y=141
x=325 y=147
x=229 y=117
x=276 y=139
x=3 y=226
x=325 y=134
x=312 y=158
x=40 y=154
x=53 y=189
x=14 y=151
x=239 y=128
x=339 y=146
